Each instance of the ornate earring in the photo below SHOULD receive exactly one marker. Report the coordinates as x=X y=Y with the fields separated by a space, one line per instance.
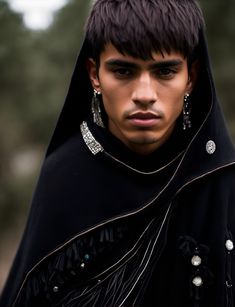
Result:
x=187 y=112
x=96 y=110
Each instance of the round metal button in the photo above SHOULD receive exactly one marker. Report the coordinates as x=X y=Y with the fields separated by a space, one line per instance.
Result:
x=55 y=289
x=210 y=147
x=196 y=260
x=229 y=245
x=197 y=281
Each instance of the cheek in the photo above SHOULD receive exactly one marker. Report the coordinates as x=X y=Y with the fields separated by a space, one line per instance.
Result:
x=107 y=85
x=173 y=100
x=174 y=108
x=115 y=96
x=112 y=101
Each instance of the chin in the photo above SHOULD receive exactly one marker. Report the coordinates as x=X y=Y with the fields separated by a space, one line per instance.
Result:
x=144 y=140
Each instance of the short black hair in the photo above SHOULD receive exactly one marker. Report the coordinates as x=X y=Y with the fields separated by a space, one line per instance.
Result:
x=139 y=27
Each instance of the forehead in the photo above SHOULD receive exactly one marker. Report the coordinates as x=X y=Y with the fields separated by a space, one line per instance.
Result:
x=111 y=53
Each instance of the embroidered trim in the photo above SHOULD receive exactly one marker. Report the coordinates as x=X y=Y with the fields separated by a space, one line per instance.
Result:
x=58 y=281
x=69 y=266
x=93 y=145
x=196 y=255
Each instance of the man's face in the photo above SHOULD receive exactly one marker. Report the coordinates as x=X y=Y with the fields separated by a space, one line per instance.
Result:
x=142 y=99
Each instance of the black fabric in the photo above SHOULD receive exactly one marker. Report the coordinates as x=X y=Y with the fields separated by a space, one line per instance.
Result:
x=156 y=160
x=203 y=213
x=188 y=192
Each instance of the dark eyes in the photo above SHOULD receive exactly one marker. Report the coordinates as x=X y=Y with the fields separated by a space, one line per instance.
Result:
x=165 y=72
x=161 y=73
x=123 y=72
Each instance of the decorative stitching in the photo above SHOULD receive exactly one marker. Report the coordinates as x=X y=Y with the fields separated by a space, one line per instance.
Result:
x=93 y=145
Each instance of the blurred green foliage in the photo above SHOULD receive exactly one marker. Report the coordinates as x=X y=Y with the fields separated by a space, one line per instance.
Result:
x=220 y=25
x=36 y=67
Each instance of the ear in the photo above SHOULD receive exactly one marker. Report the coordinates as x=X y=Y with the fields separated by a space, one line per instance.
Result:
x=93 y=73
x=193 y=75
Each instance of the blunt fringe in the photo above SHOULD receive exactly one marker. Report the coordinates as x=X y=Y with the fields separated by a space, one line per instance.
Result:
x=140 y=27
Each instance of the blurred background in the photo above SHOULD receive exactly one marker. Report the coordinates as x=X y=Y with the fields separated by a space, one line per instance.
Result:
x=39 y=42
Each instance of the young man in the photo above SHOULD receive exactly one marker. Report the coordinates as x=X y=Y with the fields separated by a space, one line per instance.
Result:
x=135 y=202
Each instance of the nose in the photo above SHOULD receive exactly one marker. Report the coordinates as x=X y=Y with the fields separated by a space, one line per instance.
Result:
x=144 y=92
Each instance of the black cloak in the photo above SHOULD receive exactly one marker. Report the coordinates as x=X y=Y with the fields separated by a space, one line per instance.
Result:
x=108 y=228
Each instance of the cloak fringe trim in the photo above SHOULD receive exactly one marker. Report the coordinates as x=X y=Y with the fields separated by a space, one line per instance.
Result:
x=69 y=263
x=75 y=276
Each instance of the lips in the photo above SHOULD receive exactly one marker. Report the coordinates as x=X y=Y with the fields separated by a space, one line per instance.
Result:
x=143 y=116
x=144 y=119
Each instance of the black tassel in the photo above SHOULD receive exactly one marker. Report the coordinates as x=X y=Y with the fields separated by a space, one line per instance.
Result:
x=68 y=263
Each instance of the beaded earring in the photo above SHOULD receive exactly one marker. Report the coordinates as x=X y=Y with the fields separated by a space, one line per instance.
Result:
x=96 y=110
x=187 y=112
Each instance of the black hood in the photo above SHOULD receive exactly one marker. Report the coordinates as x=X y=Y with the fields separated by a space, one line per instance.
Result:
x=66 y=203
x=208 y=120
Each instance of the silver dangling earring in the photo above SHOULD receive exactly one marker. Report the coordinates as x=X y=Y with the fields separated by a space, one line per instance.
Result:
x=187 y=112
x=96 y=110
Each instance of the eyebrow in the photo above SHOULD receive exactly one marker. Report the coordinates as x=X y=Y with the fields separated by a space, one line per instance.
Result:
x=157 y=64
